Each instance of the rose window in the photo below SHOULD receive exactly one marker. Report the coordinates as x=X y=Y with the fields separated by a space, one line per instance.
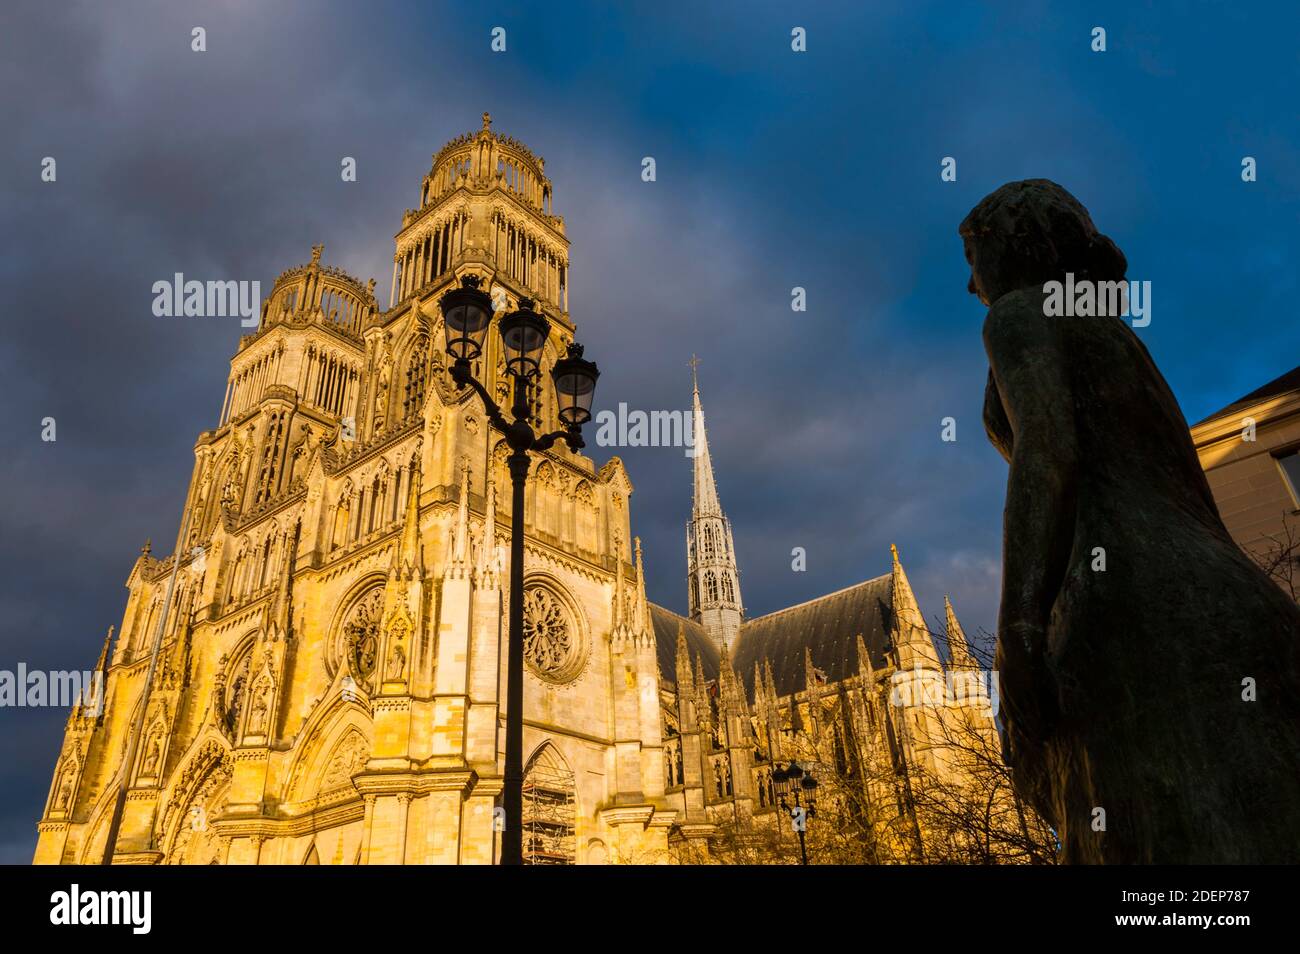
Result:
x=550 y=643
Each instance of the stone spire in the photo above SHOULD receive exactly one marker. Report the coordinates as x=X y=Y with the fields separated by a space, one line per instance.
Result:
x=102 y=664
x=685 y=674
x=813 y=680
x=730 y=689
x=713 y=578
x=489 y=569
x=958 y=647
x=91 y=698
x=703 y=711
x=865 y=669
x=407 y=560
x=283 y=591
x=618 y=610
x=458 y=565
x=911 y=636
x=769 y=681
x=765 y=685
x=641 y=612
x=706 y=488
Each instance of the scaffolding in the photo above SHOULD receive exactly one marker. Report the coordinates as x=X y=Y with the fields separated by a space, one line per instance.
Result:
x=549 y=810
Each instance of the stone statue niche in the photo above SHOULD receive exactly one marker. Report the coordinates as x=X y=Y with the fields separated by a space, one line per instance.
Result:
x=1149 y=671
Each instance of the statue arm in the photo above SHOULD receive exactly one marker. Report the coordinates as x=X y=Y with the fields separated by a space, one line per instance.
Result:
x=1028 y=367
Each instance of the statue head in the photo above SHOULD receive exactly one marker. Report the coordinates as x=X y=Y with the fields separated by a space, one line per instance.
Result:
x=1030 y=232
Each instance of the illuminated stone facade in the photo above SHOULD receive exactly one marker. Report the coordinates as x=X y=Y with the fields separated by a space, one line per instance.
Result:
x=330 y=683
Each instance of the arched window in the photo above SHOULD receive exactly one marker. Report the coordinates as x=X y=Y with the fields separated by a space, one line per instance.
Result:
x=710 y=587
x=342 y=513
x=841 y=753
x=237 y=690
x=266 y=484
x=728 y=588
x=375 y=488
x=708 y=541
x=549 y=809
x=417 y=372
x=238 y=572
x=358 y=522
x=264 y=563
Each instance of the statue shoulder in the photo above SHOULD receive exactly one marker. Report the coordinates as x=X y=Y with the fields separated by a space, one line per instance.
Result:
x=1017 y=318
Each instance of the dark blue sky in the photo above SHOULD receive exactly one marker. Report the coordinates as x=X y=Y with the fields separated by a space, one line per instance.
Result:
x=775 y=169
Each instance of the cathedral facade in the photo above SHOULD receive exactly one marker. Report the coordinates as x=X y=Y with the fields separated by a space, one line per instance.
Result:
x=330 y=685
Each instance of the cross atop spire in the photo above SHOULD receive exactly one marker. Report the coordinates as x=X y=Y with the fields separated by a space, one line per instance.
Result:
x=694 y=363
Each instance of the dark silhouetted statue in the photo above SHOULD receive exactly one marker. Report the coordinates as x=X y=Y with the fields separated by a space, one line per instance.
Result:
x=1149 y=671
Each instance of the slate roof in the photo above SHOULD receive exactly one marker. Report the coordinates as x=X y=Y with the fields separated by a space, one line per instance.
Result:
x=1283 y=384
x=698 y=642
x=828 y=625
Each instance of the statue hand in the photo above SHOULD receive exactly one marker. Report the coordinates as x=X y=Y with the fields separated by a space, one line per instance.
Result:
x=1026 y=687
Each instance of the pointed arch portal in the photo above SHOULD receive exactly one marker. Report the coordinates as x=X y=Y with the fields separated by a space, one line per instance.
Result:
x=550 y=804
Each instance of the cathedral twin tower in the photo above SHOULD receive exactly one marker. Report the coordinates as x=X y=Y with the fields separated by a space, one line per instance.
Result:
x=329 y=684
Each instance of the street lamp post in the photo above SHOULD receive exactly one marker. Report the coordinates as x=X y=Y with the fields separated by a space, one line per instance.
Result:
x=467 y=312
x=794 y=785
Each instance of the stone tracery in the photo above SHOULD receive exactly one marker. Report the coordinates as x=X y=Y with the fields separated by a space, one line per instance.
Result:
x=356 y=645
x=552 y=645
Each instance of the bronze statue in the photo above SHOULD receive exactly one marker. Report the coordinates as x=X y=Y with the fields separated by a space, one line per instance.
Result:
x=1150 y=672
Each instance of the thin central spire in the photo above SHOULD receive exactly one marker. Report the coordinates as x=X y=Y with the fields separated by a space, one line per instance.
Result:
x=712 y=575
x=706 y=502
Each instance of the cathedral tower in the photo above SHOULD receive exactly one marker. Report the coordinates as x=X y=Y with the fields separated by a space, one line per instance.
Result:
x=328 y=679
x=712 y=578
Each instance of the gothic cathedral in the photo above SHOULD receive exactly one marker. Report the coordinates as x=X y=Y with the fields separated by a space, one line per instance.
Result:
x=330 y=685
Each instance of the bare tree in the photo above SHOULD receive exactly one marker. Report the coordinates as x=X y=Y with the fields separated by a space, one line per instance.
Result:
x=1278 y=555
x=971 y=813
x=950 y=802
